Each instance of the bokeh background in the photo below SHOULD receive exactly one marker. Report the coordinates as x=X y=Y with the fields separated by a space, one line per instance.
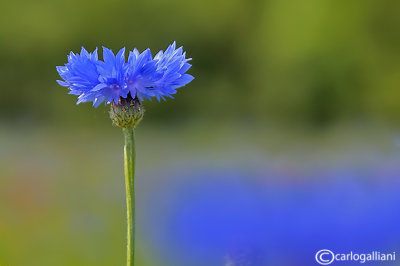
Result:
x=286 y=142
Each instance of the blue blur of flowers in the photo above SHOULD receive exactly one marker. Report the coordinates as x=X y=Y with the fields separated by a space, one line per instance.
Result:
x=142 y=75
x=267 y=217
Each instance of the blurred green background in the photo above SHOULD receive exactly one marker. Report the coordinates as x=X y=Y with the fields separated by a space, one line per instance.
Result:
x=299 y=62
x=275 y=78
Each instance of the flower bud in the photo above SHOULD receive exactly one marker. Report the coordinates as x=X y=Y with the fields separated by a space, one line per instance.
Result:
x=127 y=113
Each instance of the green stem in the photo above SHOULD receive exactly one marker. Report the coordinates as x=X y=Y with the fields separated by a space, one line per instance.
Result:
x=129 y=163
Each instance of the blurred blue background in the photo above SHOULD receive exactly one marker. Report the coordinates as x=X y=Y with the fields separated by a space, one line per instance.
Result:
x=286 y=142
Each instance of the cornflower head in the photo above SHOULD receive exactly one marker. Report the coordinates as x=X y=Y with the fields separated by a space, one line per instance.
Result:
x=125 y=84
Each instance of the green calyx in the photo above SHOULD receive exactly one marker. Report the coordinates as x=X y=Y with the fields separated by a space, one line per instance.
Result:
x=127 y=113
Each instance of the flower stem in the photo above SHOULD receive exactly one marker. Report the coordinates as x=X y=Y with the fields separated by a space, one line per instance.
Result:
x=129 y=163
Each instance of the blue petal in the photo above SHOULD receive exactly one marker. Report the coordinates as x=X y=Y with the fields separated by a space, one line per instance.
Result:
x=185 y=79
x=62 y=83
x=99 y=87
x=108 y=55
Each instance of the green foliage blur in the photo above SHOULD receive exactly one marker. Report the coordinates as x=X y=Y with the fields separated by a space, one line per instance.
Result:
x=314 y=62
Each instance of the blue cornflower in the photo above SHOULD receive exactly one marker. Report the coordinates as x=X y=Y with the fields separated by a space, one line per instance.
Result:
x=142 y=76
x=124 y=84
